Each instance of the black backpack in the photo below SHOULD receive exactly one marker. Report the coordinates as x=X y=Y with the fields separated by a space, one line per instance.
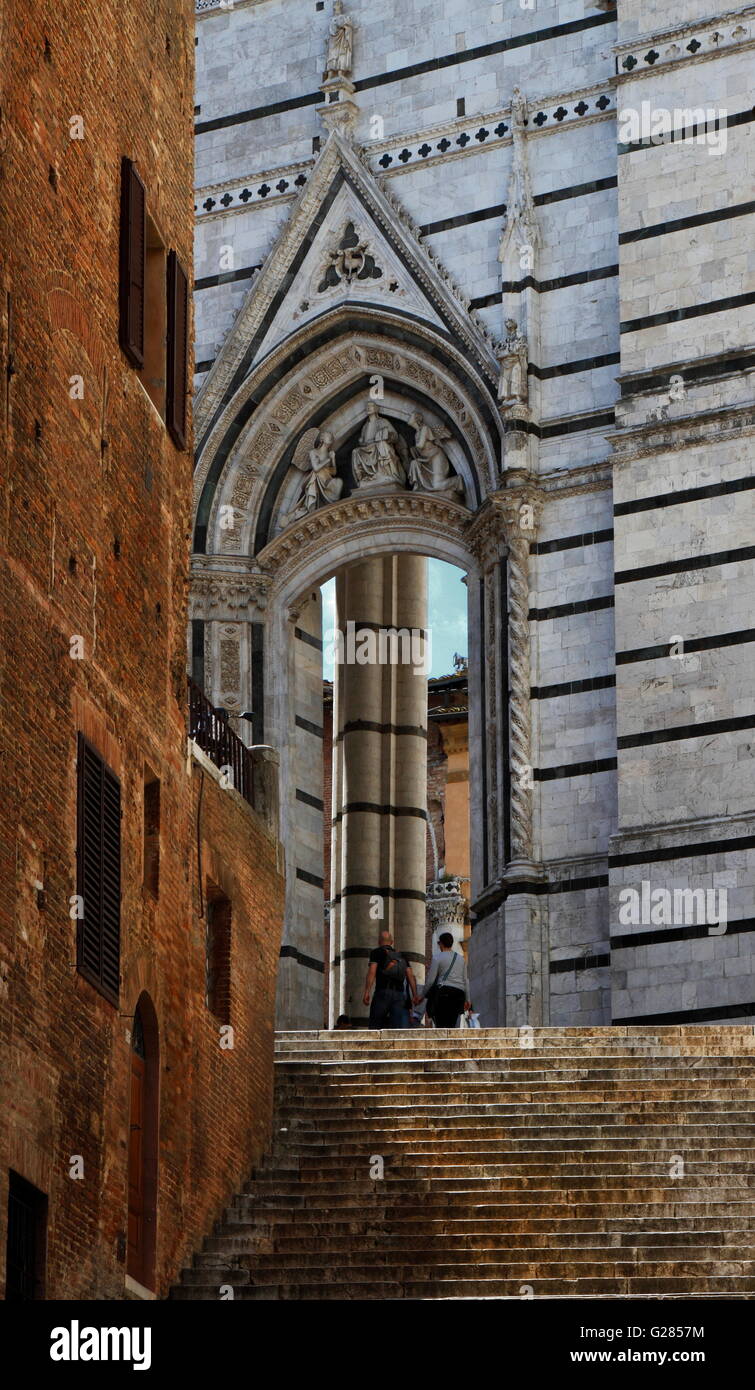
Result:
x=392 y=973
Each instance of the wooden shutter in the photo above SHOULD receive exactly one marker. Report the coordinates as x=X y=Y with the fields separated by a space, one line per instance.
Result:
x=99 y=871
x=177 y=348
x=133 y=263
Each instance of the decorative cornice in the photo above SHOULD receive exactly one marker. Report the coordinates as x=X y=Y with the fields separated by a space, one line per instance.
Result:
x=270 y=186
x=685 y=44
x=316 y=534
x=214 y=595
x=686 y=431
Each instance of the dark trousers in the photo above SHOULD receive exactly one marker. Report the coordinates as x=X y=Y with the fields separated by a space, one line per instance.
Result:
x=449 y=1003
x=387 y=1009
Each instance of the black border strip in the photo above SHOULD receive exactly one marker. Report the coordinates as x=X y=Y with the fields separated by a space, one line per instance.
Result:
x=696 y=851
x=584 y=769
x=308 y=726
x=692 y=562
x=570 y=610
x=571 y=542
x=308 y=638
x=208 y=282
x=691 y=644
x=709 y=1015
x=559 y=282
x=710 y=368
x=364 y=890
x=577 y=963
x=305 y=876
x=539 y=888
x=309 y=800
x=690 y=311
x=373 y=808
x=672 y=735
x=680 y=135
x=583 y=364
x=681 y=224
x=301 y=959
x=628 y=940
x=497 y=210
x=369 y=726
x=554 y=692
x=689 y=494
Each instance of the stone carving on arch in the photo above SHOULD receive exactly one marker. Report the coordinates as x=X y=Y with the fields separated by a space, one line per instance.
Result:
x=343 y=363
x=410 y=522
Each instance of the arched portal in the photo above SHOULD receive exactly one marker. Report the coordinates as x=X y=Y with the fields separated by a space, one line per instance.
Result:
x=143 y=1143
x=261 y=554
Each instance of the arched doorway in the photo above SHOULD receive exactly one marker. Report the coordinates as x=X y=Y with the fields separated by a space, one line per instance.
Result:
x=143 y=1144
x=258 y=559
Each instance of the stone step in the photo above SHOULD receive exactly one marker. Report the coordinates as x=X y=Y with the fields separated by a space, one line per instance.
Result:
x=401 y=1267
x=544 y=1245
x=628 y=1287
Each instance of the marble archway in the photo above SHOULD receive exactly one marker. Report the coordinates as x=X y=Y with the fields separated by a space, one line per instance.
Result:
x=253 y=567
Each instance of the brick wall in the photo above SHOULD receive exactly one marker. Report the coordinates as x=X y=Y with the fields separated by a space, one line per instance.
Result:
x=94 y=544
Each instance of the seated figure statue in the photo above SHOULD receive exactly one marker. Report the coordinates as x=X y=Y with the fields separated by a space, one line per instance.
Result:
x=430 y=468
x=377 y=461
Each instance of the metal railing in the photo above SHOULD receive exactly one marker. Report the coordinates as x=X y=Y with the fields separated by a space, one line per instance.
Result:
x=210 y=730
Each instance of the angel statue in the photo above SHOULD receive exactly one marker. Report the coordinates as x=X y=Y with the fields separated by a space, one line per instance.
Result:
x=340 y=36
x=315 y=456
x=430 y=468
x=378 y=460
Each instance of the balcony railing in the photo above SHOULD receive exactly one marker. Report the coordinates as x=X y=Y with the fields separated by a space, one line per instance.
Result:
x=210 y=730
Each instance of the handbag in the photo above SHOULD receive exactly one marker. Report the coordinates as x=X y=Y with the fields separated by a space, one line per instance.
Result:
x=432 y=993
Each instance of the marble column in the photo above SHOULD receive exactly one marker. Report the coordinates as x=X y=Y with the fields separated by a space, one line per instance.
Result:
x=380 y=772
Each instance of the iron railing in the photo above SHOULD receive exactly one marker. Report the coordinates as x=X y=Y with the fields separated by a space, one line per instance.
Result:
x=209 y=728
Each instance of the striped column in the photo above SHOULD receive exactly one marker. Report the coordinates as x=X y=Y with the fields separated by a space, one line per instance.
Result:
x=380 y=770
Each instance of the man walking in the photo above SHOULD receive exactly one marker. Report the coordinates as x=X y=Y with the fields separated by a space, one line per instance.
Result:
x=388 y=972
x=449 y=983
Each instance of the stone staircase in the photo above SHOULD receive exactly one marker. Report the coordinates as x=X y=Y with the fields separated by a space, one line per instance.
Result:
x=510 y=1170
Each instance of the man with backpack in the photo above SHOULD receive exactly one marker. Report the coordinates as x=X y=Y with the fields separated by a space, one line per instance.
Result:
x=389 y=973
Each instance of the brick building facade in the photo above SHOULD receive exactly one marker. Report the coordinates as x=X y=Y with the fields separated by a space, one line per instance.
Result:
x=140 y=894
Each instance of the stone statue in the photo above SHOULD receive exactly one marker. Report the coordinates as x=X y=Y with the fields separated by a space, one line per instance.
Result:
x=340 y=41
x=430 y=469
x=315 y=454
x=512 y=384
x=377 y=459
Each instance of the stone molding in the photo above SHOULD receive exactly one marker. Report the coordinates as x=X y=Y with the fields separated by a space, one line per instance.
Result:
x=686 y=44
x=687 y=431
x=316 y=533
x=216 y=596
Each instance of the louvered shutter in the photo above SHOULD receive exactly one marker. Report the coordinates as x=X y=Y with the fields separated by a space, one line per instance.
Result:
x=177 y=350
x=133 y=263
x=99 y=871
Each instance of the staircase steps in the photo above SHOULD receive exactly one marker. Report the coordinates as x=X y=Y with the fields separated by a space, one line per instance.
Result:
x=565 y=1163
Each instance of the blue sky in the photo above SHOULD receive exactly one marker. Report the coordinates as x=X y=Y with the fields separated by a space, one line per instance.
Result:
x=447 y=612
